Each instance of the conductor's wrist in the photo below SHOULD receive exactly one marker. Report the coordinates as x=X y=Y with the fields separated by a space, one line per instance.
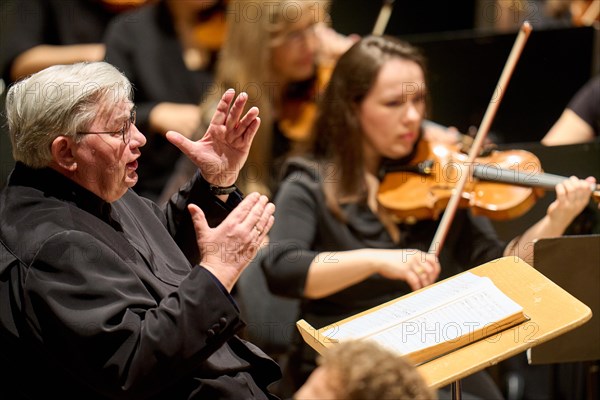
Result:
x=218 y=184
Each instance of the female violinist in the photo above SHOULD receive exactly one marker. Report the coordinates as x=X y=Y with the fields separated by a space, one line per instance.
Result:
x=332 y=245
x=279 y=53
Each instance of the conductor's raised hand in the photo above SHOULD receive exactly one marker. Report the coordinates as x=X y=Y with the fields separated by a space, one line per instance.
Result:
x=223 y=150
x=228 y=248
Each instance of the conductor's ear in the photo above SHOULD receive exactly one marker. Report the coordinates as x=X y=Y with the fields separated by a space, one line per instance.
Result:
x=62 y=153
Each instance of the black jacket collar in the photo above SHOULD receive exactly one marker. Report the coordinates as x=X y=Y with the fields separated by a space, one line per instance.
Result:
x=54 y=184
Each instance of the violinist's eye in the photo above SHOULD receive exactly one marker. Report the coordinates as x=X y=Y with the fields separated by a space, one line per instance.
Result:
x=420 y=99
x=394 y=103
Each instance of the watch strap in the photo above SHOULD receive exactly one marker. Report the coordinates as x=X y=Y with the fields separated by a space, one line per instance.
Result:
x=220 y=190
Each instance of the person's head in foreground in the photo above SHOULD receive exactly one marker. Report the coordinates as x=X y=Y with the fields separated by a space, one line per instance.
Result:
x=364 y=370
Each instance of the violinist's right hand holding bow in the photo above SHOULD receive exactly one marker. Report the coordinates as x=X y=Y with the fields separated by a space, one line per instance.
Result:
x=417 y=268
x=331 y=272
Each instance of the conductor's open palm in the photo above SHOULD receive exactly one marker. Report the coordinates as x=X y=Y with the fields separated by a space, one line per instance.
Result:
x=229 y=247
x=223 y=150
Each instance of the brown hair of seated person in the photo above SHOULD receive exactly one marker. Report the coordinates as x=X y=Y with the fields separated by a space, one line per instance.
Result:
x=364 y=370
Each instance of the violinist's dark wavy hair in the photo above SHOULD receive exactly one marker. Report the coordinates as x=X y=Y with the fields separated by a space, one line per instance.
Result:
x=336 y=140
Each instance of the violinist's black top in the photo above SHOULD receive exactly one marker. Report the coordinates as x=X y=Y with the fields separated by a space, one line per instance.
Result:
x=304 y=227
x=586 y=104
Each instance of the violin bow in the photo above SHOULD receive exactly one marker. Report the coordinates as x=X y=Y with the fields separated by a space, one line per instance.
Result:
x=511 y=62
x=383 y=18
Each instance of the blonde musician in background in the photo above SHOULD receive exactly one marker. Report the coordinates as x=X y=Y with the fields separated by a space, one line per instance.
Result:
x=280 y=53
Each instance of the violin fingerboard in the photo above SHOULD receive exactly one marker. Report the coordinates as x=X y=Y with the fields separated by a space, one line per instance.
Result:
x=495 y=174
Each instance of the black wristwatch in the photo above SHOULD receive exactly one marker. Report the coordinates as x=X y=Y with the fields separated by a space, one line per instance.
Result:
x=220 y=190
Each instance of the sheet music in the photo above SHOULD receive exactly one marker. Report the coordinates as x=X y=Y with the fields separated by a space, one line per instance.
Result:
x=442 y=313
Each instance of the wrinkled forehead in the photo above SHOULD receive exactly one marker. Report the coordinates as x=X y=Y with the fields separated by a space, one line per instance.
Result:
x=111 y=110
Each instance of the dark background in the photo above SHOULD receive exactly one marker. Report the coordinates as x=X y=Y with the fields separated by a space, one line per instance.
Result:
x=464 y=69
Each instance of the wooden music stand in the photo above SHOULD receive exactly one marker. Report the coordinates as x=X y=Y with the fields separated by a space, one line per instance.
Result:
x=551 y=309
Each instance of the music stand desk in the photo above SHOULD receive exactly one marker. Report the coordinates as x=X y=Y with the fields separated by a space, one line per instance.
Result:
x=552 y=311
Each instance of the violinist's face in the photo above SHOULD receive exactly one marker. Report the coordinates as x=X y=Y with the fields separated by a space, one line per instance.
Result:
x=293 y=56
x=391 y=113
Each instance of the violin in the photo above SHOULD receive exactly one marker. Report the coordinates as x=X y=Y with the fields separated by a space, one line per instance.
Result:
x=203 y=34
x=501 y=185
x=298 y=115
x=211 y=27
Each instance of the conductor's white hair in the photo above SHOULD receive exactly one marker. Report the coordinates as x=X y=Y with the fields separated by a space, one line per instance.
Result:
x=59 y=101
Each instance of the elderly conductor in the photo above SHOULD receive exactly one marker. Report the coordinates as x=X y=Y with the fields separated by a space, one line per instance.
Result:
x=102 y=293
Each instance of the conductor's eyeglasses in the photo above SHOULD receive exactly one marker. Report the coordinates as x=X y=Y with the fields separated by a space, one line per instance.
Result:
x=125 y=131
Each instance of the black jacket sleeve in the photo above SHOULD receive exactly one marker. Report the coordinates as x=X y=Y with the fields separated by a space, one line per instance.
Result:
x=178 y=221
x=83 y=301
